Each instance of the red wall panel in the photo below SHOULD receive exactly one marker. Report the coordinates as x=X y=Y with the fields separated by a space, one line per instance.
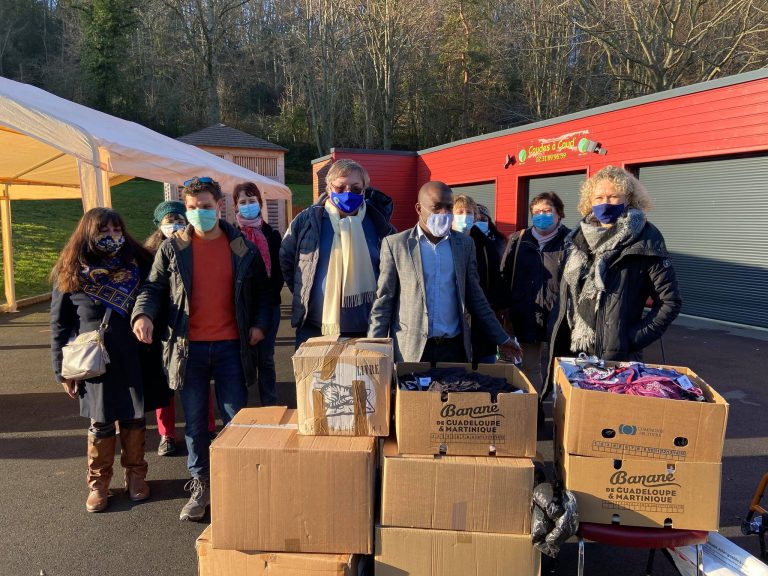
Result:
x=712 y=122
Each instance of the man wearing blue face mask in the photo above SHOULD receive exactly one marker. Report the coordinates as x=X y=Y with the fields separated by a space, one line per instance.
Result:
x=215 y=288
x=428 y=284
x=330 y=255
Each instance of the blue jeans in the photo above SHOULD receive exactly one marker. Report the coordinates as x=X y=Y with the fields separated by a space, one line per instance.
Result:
x=266 y=363
x=219 y=361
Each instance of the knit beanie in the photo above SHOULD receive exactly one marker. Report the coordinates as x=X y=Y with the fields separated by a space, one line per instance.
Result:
x=168 y=207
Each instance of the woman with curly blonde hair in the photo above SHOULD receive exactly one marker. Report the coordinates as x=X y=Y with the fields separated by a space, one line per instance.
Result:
x=616 y=261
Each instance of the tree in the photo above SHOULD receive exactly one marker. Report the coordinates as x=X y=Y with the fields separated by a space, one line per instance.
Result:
x=655 y=45
x=106 y=25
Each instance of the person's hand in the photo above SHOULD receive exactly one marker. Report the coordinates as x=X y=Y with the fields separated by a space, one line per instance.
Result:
x=255 y=335
x=142 y=329
x=511 y=349
x=70 y=387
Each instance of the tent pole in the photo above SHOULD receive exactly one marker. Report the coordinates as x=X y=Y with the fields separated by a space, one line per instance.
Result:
x=5 y=219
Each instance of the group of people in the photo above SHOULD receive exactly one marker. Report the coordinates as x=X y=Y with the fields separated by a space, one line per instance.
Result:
x=200 y=302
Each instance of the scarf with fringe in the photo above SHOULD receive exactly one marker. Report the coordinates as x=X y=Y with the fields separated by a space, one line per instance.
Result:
x=252 y=231
x=350 y=281
x=586 y=270
x=114 y=283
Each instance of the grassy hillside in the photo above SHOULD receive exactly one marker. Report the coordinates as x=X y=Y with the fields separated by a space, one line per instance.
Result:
x=41 y=228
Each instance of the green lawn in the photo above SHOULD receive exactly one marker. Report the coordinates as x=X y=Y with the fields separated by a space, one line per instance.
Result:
x=41 y=228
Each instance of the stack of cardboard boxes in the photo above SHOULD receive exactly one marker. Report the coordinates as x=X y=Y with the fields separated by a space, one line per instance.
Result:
x=641 y=461
x=457 y=483
x=292 y=492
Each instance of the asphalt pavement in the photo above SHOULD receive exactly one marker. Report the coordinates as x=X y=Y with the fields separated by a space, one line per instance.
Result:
x=44 y=525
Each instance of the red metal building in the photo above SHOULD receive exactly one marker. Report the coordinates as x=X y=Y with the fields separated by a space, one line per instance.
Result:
x=701 y=150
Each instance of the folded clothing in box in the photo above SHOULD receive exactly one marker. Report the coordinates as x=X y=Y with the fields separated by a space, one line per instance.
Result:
x=472 y=422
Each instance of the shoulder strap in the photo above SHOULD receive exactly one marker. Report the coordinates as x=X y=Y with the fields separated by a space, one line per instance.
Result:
x=514 y=261
x=105 y=320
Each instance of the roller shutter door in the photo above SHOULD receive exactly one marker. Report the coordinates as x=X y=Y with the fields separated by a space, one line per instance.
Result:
x=481 y=193
x=567 y=187
x=714 y=217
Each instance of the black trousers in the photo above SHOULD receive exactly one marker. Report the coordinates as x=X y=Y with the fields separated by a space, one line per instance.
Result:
x=445 y=350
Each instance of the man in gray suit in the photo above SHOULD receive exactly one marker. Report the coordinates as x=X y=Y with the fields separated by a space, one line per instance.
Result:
x=428 y=285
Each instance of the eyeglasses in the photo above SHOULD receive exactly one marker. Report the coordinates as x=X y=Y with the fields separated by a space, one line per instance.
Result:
x=543 y=211
x=353 y=189
x=201 y=179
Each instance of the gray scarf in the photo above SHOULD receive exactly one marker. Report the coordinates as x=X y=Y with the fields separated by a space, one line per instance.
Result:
x=587 y=267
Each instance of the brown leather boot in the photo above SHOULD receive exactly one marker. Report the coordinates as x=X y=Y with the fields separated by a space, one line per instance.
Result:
x=101 y=457
x=132 y=459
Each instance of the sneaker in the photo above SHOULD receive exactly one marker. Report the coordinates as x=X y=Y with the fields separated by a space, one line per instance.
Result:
x=194 y=509
x=167 y=446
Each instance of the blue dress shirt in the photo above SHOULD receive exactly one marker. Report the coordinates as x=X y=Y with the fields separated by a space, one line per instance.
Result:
x=440 y=286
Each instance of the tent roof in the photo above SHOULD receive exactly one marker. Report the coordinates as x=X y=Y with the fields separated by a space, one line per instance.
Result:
x=47 y=140
x=225 y=136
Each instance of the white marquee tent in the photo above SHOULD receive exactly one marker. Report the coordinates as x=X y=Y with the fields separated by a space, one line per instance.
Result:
x=51 y=148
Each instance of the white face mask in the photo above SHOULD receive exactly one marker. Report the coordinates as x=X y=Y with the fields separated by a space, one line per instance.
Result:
x=440 y=224
x=169 y=230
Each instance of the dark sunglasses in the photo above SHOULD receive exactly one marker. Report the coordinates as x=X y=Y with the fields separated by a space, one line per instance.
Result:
x=202 y=180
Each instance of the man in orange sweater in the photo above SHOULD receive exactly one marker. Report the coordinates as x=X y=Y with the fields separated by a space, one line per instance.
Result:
x=214 y=285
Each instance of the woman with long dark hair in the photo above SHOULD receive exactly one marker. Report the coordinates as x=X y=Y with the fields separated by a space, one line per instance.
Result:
x=95 y=280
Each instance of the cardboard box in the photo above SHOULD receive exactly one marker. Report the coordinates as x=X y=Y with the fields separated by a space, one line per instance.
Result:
x=591 y=423
x=469 y=493
x=343 y=386
x=213 y=562
x=648 y=493
x=467 y=423
x=272 y=489
x=414 y=552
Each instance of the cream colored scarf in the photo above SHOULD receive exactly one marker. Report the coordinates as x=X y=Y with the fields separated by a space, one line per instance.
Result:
x=350 y=281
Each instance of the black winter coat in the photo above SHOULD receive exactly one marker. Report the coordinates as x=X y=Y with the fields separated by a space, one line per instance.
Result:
x=488 y=269
x=276 y=279
x=134 y=382
x=535 y=288
x=642 y=271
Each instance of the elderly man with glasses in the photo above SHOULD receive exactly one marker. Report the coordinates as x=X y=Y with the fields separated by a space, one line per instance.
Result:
x=211 y=286
x=330 y=255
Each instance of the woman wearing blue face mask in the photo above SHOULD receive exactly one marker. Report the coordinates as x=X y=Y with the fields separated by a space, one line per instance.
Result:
x=330 y=255
x=249 y=207
x=616 y=262
x=532 y=270
x=488 y=269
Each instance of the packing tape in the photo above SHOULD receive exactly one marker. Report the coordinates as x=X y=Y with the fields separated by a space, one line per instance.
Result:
x=292 y=545
x=360 y=400
x=319 y=415
x=459 y=515
x=272 y=426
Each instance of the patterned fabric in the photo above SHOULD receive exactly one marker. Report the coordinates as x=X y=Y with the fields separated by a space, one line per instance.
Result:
x=252 y=231
x=637 y=379
x=114 y=283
